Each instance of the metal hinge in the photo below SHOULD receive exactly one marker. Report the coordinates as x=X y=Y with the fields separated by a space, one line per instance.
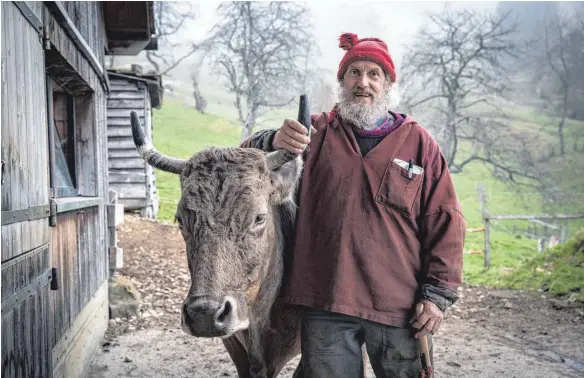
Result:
x=53 y=213
x=46 y=38
x=22 y=215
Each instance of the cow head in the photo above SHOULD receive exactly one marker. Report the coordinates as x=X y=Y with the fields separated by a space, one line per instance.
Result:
x=230 y=215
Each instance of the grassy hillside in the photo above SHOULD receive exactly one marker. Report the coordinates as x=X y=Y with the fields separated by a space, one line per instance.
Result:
x=181 y=131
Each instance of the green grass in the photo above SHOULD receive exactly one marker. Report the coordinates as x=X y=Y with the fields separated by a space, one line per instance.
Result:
x=181 y=131
x=559 y=270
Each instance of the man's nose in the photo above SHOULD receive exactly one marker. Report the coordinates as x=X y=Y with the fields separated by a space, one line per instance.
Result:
x=362 y=82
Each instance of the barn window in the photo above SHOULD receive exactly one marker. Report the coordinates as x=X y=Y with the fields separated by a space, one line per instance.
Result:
x=64 y=141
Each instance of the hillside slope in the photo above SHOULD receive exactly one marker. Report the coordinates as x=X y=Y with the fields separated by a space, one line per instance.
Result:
x=181 y=131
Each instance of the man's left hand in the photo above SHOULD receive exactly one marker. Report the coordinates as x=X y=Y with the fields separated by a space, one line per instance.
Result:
x=429 y=320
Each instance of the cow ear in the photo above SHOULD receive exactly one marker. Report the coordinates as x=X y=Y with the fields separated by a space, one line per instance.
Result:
x=284 y=180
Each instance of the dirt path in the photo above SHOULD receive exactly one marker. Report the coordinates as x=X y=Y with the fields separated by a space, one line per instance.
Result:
x=489 y=333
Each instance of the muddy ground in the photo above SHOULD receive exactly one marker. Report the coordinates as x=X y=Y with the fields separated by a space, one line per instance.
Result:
x=489 y=333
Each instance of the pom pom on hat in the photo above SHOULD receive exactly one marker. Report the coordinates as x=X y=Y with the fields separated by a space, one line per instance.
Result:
x=348 y=40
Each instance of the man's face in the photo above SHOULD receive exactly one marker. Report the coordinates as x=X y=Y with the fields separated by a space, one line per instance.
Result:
x=365 y=81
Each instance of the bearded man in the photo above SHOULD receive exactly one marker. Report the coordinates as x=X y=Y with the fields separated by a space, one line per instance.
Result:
x=379 y=227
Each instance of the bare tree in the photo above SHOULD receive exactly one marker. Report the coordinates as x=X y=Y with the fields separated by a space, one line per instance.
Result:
x=259 y=49
x=200 y=102
x=170 y=19
x=561 y=68
x=454 y=75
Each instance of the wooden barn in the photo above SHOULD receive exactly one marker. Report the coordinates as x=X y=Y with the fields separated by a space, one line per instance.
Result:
x=129 y=175
x=55 y=238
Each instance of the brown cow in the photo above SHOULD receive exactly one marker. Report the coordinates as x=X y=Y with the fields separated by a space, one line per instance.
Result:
x=236 y=214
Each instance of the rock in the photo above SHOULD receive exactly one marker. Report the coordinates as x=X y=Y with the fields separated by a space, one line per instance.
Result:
x=452 y=363
x=124 y=298
x=127 y=359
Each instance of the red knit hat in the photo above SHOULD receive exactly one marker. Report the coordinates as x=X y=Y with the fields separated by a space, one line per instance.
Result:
x=371 y=49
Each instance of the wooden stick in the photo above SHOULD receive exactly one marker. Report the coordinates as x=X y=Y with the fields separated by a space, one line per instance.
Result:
x=427 y=371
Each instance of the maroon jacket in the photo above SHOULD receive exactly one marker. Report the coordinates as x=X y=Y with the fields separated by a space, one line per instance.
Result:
x=367 y=236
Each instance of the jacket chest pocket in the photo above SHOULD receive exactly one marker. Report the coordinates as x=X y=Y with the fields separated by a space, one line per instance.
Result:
x=397 y=190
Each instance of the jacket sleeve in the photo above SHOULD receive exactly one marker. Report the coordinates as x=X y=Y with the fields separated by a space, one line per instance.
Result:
x=443 y=228
x=261 y=139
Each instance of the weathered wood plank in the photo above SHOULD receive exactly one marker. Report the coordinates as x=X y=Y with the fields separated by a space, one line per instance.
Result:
x=133 y=203
x=129 y=190
x=8 y=347
x=7 y=236
x=123 y=95
x=20 y=188
x=80 y=275
x=121 y=121
x=37 y=8
x=126 y=163
x=72 y=354
x=99 y=257
x=119 y=131
x=132 y=104
x=126 y=177
x=113 y=154
x=9 y=105
x=7 y=51
x=123 y=86
x=124 y=112
x=39 y=144
x=28 y=115
x=120 y=144
x=152 y=197
x=86 y=159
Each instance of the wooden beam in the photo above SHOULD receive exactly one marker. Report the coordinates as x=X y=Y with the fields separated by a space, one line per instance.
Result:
x=548 y=225
x=76 y=203
x=29 y=16
x=74 y=351
x=536 y=216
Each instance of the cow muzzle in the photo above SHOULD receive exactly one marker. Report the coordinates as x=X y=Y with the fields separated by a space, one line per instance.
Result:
x=204 y=316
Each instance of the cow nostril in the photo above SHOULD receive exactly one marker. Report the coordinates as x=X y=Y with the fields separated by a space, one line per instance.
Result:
x=225 y=312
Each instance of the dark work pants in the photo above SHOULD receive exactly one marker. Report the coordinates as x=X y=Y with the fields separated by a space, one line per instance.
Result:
x=331 y=347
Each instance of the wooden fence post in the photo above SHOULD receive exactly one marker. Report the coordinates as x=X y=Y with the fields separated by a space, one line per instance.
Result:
x=487 y=225
x=487 y=243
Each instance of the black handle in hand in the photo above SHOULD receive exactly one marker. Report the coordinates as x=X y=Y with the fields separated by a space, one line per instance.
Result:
x=304 y=113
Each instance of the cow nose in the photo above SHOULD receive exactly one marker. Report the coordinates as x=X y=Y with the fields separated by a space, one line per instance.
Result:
x=207 y=316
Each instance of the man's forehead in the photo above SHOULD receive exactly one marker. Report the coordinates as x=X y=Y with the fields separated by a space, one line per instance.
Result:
x=364 y=65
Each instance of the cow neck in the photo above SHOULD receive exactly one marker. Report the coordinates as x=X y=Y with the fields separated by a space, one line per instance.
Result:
x=272 y=279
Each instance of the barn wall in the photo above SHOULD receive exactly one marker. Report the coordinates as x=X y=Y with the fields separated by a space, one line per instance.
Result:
x=79 y=242
x=51 y=330
x=129 y=175
x=26 y=349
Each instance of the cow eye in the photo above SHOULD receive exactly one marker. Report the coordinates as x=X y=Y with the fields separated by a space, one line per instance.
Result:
x=260 y=218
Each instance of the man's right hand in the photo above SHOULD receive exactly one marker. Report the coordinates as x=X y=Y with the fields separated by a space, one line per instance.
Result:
x=292 y=137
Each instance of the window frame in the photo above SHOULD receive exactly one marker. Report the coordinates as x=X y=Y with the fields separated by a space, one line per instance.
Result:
x=62 y=192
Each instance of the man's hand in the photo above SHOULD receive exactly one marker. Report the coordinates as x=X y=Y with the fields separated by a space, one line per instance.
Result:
x=429 y=320
x=292 y=137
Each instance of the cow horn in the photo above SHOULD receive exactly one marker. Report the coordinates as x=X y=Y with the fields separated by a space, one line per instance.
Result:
x=278 y=158
x=148 y=152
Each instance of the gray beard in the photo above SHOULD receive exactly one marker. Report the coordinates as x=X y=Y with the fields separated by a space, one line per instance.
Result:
x=361 y=116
